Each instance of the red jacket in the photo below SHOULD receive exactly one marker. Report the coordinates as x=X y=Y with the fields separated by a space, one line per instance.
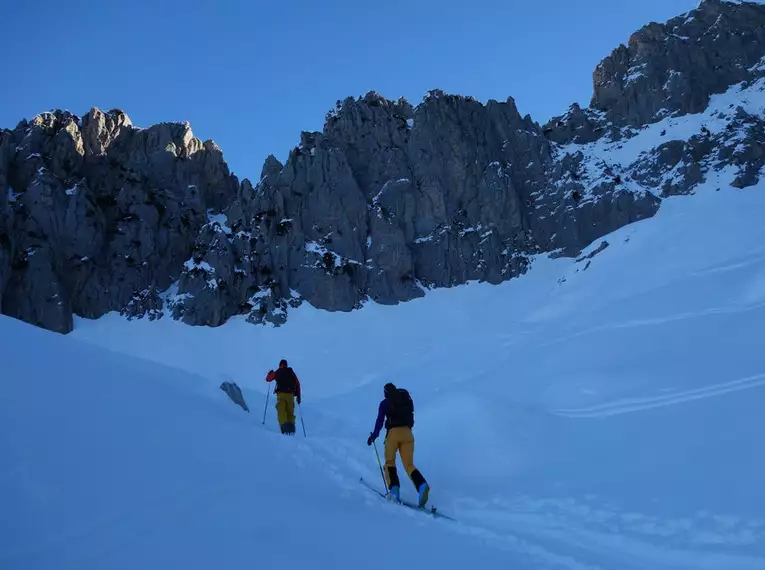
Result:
x=271 y=376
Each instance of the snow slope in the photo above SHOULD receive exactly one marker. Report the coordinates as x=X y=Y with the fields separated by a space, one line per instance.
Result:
x=587 y=415
x=114 y=463
x=601 y=413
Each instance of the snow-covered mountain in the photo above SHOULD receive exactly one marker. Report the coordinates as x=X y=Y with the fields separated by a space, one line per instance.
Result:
x=388 y=202
x=600 y=413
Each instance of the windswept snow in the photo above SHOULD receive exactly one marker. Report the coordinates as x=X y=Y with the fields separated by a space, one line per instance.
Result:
x=635 y=73
x=191 y=265
x=321 y=251
x=221 y=220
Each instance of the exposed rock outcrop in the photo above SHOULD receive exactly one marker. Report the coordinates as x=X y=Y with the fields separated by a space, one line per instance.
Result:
x=388 y=200
x=670 y=69
x=234 y=392
x=101 y=211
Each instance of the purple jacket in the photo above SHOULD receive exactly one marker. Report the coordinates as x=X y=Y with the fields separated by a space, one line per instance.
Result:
x=382 y=411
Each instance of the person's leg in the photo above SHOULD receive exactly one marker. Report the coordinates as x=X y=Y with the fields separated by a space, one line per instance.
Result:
x=407 y=458
x=281 y=410
x=406 y=450
x=290 y=399
x=391 y=475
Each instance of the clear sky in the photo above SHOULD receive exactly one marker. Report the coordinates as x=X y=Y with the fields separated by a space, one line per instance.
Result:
x=252 y=74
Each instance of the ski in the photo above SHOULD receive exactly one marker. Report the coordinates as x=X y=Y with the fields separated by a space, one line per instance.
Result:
x=425 y=510
x=372 y=488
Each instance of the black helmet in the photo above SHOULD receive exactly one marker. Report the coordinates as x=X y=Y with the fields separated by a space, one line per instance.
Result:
x=282 y=363
x=389 y=389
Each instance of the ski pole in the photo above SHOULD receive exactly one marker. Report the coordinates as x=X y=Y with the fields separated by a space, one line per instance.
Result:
x=301 y=419
x=379 y=464
x=265 y=408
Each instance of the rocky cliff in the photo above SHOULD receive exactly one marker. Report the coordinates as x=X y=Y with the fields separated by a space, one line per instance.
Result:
x=97 y=213
x=387 y=201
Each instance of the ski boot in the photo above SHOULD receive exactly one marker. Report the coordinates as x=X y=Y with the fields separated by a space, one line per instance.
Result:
x=394 y=494
x=422 y=493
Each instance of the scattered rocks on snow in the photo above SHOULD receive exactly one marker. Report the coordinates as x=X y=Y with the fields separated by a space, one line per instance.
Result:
x=235 y=393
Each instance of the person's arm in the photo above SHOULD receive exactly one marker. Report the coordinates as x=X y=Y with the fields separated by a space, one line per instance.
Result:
x=271 y=376
x=297 y=389
x=381 y=410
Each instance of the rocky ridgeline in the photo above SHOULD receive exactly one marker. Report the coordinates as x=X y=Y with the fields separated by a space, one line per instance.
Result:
x=388 y=200
x=671 y=70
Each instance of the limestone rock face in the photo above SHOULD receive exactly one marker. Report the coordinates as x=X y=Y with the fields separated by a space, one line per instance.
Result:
x=96 y=213
x=388 y=200
x=674 y=68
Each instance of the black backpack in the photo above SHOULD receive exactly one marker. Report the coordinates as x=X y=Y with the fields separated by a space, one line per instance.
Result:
x=285 y=380
x=401 y=412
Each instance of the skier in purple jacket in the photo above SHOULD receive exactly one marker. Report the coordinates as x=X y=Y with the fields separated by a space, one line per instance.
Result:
x=396 y=411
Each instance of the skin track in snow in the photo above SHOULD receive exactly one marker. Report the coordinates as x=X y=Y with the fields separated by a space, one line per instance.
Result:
x=429 y=510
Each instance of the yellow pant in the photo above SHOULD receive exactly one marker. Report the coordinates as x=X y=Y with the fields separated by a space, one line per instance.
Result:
x=399 y=439
x=285 y=408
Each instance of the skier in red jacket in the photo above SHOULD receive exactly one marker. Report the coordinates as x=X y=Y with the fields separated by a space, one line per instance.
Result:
x=287 y=390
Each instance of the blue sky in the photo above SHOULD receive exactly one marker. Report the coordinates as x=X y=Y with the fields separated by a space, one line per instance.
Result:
x=252 y=74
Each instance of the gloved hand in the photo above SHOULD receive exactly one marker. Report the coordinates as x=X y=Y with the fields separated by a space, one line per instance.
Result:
x=298 y=400
x=270 y=371
x=370 y=439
